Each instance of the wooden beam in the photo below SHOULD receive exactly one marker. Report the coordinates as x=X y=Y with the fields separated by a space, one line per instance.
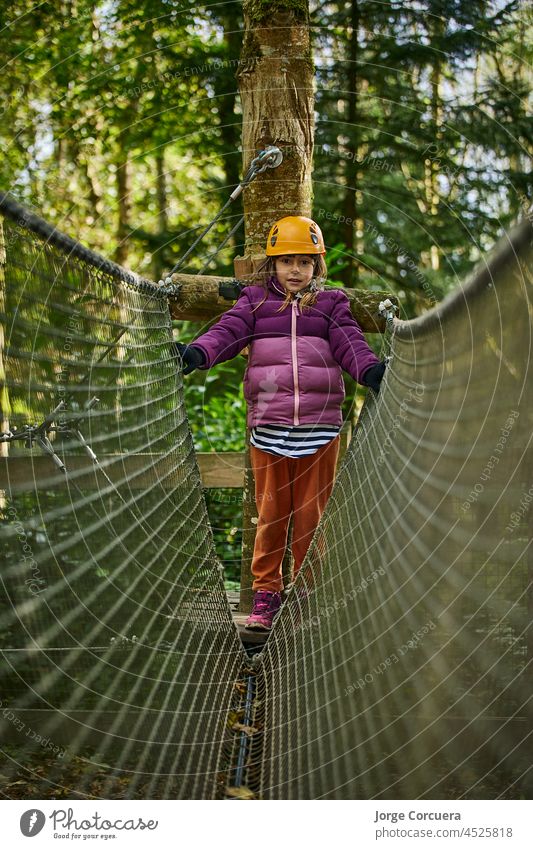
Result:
x=35 y=472
x=204 y=298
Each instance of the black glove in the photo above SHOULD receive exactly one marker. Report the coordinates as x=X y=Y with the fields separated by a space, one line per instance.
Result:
x=192 y=357
x=374 y=375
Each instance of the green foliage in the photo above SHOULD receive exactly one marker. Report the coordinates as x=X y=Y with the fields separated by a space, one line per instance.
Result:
x=121 y=125
x=224 y=507
x=111 y=123
x=422 y=141
x=214 y=399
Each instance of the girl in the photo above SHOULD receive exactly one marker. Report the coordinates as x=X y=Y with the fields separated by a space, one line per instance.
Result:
x=300 y=337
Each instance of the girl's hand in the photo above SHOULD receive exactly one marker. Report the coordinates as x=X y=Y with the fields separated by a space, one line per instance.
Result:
x=191 y=356
x=374 y=375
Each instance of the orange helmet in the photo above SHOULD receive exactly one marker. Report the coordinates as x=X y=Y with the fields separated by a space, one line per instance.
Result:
x=295 y=235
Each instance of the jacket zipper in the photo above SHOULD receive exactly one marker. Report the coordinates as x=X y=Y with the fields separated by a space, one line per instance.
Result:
x=295 y=363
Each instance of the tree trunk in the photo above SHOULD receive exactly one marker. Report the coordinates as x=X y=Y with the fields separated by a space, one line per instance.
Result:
x=276 y=87
x=203 y=297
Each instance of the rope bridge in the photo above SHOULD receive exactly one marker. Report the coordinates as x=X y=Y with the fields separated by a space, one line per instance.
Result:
x=114 y=615
x=400 y=666
x=409 y=673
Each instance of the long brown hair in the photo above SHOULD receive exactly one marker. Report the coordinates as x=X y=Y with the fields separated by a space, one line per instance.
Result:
x=267 y=269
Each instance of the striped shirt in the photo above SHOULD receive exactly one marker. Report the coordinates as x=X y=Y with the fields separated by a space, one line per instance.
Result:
x=292 y=441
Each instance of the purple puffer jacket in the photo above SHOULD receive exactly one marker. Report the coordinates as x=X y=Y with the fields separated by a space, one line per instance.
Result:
x=296 y=357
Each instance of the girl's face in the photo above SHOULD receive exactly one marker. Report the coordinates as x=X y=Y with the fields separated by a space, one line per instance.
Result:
x=294 y=271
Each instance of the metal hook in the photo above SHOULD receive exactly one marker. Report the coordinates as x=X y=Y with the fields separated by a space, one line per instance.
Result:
x=388 y=310
x=270 y=157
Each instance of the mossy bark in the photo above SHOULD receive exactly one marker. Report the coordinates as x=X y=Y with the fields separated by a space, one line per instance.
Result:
x=276 y=86
x=200 y=300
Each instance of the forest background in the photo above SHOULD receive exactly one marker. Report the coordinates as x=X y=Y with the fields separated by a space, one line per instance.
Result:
x=121 y=125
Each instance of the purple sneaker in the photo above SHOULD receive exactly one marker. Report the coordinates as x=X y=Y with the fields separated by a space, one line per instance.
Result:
x=266 y=606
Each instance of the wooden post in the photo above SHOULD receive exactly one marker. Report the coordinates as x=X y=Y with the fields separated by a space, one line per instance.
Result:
x=276 y=87
x=249 y=524
x=287 y=565
x=346 y=435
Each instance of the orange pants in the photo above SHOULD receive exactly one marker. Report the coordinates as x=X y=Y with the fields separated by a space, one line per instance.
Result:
x=284 y=486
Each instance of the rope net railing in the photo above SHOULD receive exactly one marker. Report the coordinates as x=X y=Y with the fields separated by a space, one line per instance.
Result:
x=400 y=666
x=401 y=663
x=119 y=654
